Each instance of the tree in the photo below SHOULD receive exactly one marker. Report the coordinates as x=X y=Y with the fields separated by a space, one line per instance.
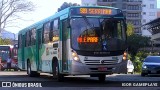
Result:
x=136 y=42
x=5 y=41
x=66 y=5
x=130 y=29
x=9 y=10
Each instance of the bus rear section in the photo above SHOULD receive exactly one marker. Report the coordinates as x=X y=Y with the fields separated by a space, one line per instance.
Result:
x=6 y=52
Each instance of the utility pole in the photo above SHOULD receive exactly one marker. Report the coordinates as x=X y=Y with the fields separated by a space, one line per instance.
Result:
x=152 y=46
x=14 y=40
x=0 y=17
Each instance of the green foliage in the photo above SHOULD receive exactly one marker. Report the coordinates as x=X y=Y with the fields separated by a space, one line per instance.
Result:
x=136 y=42
x=138 y=59
x=130 y=29
x=137 y=64
x=66 y=5
x=5 y=41
x=129 y=57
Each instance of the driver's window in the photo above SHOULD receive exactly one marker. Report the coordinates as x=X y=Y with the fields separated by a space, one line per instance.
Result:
x=119 y=30
x=107 y=29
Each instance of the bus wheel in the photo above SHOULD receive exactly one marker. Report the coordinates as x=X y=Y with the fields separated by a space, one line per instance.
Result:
x=55 y=69
x=102 y=78
x=30 y=72
x=56 y=74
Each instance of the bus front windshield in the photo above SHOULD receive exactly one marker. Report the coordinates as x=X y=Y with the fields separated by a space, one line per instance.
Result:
x=4 y=52
x=98 y=34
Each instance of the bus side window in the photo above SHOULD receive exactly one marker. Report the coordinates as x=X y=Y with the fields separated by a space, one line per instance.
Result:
x=28 y=38
x=20 y=41
x=46 y=31
x=25 y=39
x=54 y=30
x=33 y=36
x=40 y=36
x=51 y=31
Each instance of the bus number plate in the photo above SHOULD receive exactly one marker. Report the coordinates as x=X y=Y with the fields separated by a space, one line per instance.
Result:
x=153 y=71
x=102 y=69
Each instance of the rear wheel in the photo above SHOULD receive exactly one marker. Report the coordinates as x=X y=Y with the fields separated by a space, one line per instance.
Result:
x=56 y=74
x=30 y=72
x=143 y=74
x=102 y=78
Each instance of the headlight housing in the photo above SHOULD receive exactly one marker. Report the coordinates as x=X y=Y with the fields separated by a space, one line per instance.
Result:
x=144 y=66
x=125 y=55
x=75 y=56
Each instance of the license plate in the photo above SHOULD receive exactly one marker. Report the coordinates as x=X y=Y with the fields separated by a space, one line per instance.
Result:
x=102 y=69
x=153 y=71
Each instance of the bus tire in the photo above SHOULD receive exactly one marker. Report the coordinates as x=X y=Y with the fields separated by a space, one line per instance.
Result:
x=143 y=74
x=56 y=74
x=102 y=78
x=30 y=72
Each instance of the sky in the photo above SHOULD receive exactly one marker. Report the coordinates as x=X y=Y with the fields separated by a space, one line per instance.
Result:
x=44 y=8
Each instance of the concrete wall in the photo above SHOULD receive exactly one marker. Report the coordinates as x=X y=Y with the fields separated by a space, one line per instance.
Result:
x=150 y=14
x=88 y=2
x=158 y=13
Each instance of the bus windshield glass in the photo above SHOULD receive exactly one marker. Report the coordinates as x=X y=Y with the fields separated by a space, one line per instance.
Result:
x=4 y=52
x=97 y=34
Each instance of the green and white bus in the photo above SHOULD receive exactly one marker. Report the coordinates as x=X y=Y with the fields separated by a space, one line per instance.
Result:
x=79 y=40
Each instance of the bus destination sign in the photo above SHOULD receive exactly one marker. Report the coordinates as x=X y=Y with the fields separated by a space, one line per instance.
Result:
x=95 y=11
x=87 y=39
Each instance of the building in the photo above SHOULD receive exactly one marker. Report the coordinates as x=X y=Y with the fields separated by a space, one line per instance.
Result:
x=138 y=12
x=132 y=10
x=88 y=2
x=154 y=27
x=158 y=13
x=149 y=13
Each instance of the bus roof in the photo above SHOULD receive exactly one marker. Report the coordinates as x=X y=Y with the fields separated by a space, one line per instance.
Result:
x=95 y=7
x=56 y=15
x=11 y=46
x=40 y=23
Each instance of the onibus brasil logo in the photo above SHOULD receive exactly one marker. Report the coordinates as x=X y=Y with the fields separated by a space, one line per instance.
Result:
x=21 y=84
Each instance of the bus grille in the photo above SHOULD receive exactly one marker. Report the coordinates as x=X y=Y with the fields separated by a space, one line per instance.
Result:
x=100 y=62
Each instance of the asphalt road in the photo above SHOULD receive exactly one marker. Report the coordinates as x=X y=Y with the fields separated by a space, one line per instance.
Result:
x=84 y=82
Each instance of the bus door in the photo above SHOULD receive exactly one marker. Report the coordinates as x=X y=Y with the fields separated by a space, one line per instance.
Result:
x=23 y=45
x=64 y=33
x=38 y=49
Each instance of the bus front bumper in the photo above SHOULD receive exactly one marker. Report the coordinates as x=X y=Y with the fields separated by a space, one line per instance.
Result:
x=78 y=68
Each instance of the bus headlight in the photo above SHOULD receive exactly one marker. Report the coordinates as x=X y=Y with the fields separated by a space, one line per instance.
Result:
x=125 y=56
x=75 y=56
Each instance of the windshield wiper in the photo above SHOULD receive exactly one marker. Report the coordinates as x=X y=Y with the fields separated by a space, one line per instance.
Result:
x=87 y=22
